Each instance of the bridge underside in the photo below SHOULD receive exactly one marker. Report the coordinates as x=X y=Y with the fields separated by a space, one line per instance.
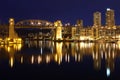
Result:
x=31 y=33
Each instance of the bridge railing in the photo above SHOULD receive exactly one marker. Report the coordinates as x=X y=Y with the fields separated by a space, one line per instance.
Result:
x=40 y=27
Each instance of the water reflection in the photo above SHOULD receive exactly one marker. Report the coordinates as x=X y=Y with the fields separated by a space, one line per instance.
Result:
x=11 y=50
x=108 y=72
x=63 y=52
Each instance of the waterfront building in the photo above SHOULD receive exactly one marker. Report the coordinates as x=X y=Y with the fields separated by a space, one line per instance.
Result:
x=97 y=19
x=96 y=25
x=110 y=18
x=79 y=26
x=86 y=33
x=110 y=26
x=73 y=32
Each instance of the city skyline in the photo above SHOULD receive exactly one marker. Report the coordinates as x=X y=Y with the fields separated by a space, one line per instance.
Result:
x=69 y=39
x=66 y=11
x=97 y=19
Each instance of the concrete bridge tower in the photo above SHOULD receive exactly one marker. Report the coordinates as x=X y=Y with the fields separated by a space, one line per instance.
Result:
x=12 y=33
x=58 y=34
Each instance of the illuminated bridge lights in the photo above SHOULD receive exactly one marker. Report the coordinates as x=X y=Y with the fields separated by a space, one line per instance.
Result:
x=34 y=23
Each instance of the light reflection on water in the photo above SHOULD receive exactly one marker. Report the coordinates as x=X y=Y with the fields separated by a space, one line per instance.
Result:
x=59 y=52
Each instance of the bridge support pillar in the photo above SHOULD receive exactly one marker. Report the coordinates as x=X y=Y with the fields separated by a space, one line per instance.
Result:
x=13 y=37
x=58 y=34
x=12 y=33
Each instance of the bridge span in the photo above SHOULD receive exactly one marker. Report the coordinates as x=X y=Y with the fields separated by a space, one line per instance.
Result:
x=35 y=24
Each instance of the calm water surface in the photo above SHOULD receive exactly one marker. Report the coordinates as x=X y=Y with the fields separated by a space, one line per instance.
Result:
x=60 y=60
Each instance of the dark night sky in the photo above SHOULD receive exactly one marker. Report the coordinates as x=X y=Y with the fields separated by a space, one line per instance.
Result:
x=52 y=10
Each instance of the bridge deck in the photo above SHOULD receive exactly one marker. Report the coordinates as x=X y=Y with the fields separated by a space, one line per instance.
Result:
x=38 y=27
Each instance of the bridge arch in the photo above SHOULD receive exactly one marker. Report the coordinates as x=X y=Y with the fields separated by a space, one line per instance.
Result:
x=26 y=27
x=34 y=22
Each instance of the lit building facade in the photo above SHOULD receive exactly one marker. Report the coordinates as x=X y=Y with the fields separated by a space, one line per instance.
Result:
x=110 y=20
x=79 y=26
x=80 y=23
x=73 y=32
x=97 y=19
x=96 y=25
x=86 y=33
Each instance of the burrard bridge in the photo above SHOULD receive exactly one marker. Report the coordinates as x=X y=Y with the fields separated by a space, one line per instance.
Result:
x=32 y=29
x=40 y=24
x=35 y=29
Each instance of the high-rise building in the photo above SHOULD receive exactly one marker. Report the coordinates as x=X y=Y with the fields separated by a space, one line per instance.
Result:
x=97 y=19
x=80 y=23
x=110 y=20
x=73 y=32
x=79 y=26
x=96 y=25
